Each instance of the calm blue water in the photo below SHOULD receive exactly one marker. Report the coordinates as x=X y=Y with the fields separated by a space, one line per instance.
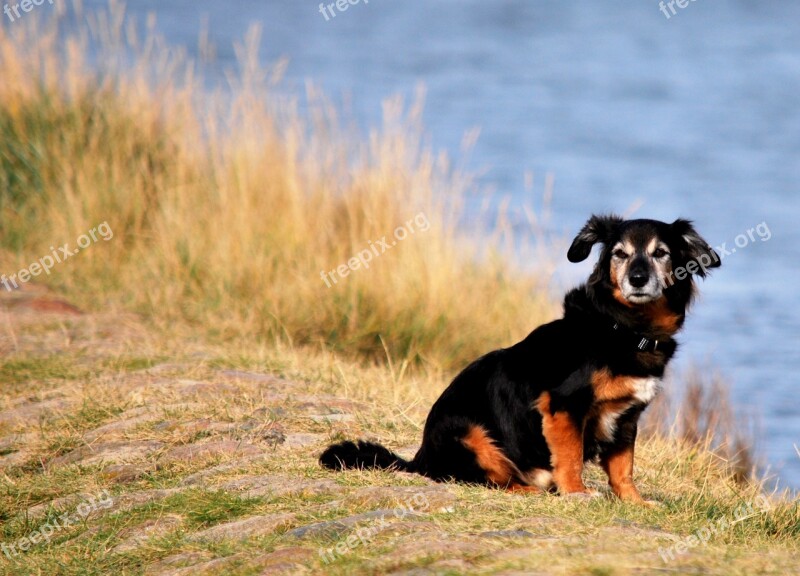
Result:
x=695 y=116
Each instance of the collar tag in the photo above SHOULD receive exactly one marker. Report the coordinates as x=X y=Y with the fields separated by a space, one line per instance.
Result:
x=644 y=343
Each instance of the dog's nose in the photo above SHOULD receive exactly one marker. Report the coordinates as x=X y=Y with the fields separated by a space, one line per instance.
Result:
x=638 y=278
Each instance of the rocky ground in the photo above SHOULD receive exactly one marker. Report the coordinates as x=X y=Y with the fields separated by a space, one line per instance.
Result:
x=118 y=458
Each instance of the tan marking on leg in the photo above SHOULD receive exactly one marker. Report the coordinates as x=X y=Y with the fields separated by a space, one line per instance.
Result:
x=565 y=440
x=619 y=467
x=499 y=469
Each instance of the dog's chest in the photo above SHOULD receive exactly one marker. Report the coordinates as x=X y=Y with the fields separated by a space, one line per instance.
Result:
x=608 y=387
x=646 y=389
x=606 y=413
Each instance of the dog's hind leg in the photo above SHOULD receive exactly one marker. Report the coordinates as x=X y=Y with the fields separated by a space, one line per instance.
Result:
x=499 y=469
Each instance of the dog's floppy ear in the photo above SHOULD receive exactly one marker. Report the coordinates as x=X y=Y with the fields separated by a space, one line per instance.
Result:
x=694 y=248
x=596 y=229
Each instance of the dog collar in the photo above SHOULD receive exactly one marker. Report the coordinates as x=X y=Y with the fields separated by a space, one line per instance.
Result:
x=643 y=344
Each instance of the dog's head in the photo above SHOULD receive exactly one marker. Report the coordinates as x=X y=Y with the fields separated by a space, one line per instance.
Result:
x=644 y=259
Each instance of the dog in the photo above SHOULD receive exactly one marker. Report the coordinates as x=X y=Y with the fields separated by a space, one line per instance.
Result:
x=527 y=417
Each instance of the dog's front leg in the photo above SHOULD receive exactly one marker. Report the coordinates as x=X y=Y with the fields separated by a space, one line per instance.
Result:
x=564 y=436
x=618 y=464
x=617 y=461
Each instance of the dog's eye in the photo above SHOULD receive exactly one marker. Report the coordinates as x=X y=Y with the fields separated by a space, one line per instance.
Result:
x=621 y=254
x=660 y=253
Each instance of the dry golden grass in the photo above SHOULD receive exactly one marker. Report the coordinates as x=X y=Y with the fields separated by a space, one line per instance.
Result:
x=701 y=414
x=226 y=209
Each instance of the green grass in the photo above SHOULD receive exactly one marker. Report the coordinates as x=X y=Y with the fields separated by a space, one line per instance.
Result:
x=16 y=373
x=23 y=370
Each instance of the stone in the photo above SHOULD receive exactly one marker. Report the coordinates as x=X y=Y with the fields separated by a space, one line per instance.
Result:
x=15 y=442
x=14 y=451
x=206 y=390
x=132 y=500
x=273 y=485
x=30 y=412
x=89 y=504
x=274 y=381
x=325 y=418
x=274 y=437
x=507 y=534
x=544 y=525
x=303 y=440
x=286 y=560
x=454 y=566
x=329 y=530
x=118 y=427
x=119 y=452
x=452 y=548
x=13 y=458
x=425 y=499
x=334 y=529
x=167 y=368
x=244 y=529
x=192 y=427
x=638 y=530
x=207 y=450
x=213 y=567
x=269 y=413
x=133 y=538
x=403 y=527
x=203 y=475
x=123 y=473
x=65 y=503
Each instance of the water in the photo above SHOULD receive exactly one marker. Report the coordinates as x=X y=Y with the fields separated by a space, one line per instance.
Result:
x=693 y=116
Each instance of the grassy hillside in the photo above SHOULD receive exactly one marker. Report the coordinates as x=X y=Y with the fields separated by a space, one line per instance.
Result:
x=237 y=215
x=126 y=453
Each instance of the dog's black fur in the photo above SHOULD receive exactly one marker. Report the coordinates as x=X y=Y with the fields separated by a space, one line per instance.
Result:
x=527 y=417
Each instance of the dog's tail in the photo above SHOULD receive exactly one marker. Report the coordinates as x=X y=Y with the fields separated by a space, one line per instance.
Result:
x=363 y=455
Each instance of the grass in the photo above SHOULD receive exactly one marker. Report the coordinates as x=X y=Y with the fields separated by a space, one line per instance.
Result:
x=694 y=486
x=703 y=415
x=144 y=151
x=224 y=210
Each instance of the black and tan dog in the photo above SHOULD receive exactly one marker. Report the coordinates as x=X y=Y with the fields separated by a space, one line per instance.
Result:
x=528 y=417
